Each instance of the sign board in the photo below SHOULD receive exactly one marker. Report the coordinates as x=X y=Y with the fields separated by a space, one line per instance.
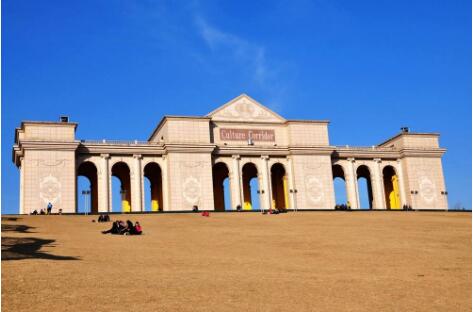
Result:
x=246 y=134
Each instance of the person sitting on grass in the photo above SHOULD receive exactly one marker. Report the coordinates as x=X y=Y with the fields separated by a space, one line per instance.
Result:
x=118 y=227
x=136 y=230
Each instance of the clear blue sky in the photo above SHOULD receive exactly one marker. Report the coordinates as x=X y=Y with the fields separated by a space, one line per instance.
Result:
x=116 y=67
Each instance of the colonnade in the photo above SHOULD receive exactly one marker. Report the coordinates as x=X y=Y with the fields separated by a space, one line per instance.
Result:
x=384 y=179
x=131 y=173
x=274 y=176
x=275 y=183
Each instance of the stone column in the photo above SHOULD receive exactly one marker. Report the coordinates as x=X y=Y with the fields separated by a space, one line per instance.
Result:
x=136 y=185
x=352 y=187
x=379 y=185
x=22 y=191
x=402 y=189
x=236 y=183
x=265 y=188
x=165 y=182
x=104 y=185
x=290 y=180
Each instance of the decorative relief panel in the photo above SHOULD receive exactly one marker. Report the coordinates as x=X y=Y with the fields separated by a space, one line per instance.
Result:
x=245 y=110
x=191 y=190
x=427 y=189
x=314 y=189
x=50 y=189
x=191 y=183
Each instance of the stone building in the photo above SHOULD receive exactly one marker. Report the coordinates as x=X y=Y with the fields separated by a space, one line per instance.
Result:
x=186 y=160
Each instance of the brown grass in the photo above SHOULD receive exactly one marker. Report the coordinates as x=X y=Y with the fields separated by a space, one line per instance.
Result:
x=306 y=261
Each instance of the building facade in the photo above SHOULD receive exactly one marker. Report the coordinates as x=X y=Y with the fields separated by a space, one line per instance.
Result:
x=186 y=160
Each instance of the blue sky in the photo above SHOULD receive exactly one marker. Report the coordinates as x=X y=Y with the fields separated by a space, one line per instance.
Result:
x=116 y=67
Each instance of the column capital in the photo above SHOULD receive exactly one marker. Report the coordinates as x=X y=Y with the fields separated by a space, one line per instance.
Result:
x=398 y=160
x=237 y=157
x=265 y=157
x=137 y=156
x=351 y=159
x=106 y=156
x=377 y=160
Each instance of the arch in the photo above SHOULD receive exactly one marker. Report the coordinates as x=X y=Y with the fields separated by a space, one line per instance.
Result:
x=89 y=170
x=279 y=187
x=121 y=171
x=249 y=172
x=391 y=188
x=363 y=177
x=339 y=185
x=152 y=172
x=220 y=173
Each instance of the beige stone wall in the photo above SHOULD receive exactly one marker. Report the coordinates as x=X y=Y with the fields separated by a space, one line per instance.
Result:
x=414 y=140
x=161 y=135
x=50 y=132
x=313 y=181
x=190 y=181
x=188 y=131
x=303 y=134
x=425 y=175
x=48 y=176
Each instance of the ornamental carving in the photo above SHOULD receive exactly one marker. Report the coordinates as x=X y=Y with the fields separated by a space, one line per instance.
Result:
x=314 y=189
x=191 y=190
x=427 y=189
x=50 y=189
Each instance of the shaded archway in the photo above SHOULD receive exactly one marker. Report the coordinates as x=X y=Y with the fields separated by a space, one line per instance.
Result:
x=249 y=172
x=121 y=171
x=87 y=169
x=365 y=190
x=153 y=173
x=220 y=177
x=339 y=185
x=391 y=188
x=279 y=187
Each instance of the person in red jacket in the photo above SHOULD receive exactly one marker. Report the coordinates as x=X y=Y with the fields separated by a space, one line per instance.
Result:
x=136 y=229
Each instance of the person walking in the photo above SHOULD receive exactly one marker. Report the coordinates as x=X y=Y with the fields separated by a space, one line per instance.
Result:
x=50 y=207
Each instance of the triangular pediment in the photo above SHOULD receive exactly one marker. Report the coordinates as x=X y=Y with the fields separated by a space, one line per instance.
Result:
x=244 y=108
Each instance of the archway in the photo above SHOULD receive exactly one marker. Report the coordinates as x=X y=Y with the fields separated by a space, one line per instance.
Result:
x=250 y=182
x=391 y=188
x=220 y=186
x=365 y=191
x=87 y=169
x=121 y=171
x=152 y=172
x=339 y=185
x=280 y=199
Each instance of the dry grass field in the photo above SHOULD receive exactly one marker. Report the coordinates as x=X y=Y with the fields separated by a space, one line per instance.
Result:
x=306 y=261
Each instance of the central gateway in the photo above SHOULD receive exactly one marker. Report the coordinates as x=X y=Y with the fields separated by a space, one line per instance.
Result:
x=282 y=164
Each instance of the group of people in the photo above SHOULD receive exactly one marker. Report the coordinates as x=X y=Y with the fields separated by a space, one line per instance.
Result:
x=125 y=228
x=104 y=218
x=343 y=207
x=48 y=210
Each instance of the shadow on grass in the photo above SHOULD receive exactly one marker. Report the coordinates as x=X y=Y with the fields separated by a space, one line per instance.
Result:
x=10 y=218
x=20 y=228
x=19 y=248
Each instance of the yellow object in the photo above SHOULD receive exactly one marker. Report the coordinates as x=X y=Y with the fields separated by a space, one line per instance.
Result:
x=394 y=195
x=247 y=206
x=154 y=205
x=286 y=195
x=126 y=206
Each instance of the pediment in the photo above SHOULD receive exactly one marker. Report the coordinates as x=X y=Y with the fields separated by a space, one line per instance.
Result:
x=244 y=108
